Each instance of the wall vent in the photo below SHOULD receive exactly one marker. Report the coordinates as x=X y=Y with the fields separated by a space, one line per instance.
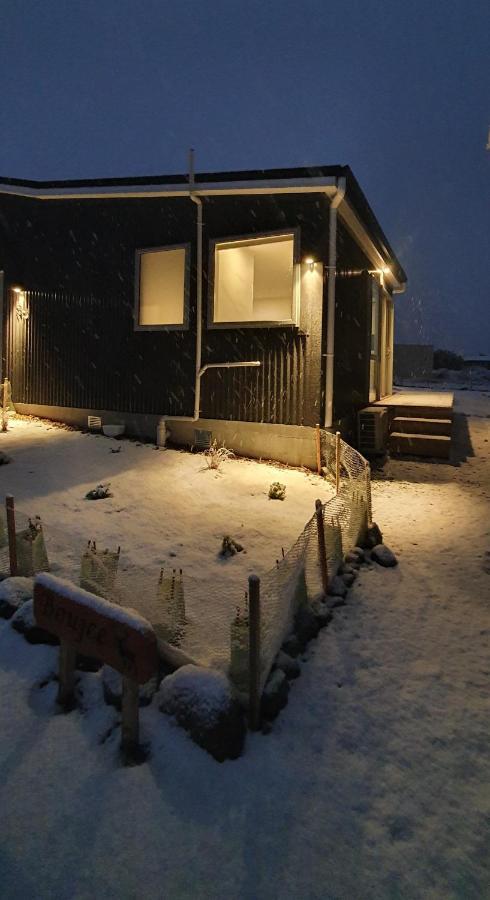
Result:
x=202 y=439
x=372 y=427
x=94 y=423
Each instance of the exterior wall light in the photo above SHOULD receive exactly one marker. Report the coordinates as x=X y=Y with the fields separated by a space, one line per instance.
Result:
x=21 y=309
x=310 y=262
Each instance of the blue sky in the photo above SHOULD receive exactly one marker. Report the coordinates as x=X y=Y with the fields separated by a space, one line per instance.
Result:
x=398 y=90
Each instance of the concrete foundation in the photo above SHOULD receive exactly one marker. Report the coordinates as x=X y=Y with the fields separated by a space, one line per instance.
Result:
x=294 y=445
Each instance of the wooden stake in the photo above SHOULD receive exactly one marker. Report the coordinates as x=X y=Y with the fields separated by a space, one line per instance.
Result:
x=254 y=651
x=322 y=551
x=130 y=720
x=5 y=406
x=318 y=451
x=10 y=507
x=67 y=664
x=337 y=461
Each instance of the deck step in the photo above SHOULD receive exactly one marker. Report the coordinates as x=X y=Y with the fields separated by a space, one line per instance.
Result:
x=435 y=445
x=421 y=412
x=414 y=425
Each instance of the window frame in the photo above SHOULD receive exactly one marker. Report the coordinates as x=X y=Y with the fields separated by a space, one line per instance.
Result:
x=184 y=325
x=256 y=237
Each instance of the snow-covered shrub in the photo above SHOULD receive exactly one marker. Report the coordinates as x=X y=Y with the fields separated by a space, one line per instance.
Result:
x=230 y=547
x=99 y=493
x=215 y=455
x=277 y=491
x=13 y=593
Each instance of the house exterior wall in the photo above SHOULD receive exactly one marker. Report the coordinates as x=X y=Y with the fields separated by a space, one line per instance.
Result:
x=78 y=348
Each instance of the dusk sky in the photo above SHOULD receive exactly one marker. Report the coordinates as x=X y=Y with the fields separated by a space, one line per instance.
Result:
x=400 y=91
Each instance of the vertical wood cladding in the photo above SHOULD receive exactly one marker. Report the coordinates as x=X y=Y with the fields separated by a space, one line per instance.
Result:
x=78 y=347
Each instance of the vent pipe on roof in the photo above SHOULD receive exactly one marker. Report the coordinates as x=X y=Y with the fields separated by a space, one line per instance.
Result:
x=332 y=269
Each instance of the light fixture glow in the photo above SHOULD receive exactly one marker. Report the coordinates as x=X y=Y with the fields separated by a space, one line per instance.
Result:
x=310 y=262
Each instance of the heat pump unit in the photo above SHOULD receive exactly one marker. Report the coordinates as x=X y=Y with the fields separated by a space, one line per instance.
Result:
x=372 y=425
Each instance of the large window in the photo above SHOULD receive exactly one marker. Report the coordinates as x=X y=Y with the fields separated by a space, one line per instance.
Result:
x=162 y=288
x=254 y=281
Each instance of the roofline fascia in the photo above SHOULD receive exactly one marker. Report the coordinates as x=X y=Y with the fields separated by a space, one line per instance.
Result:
x=358 y=230
x=275 y=186
x=325 y=185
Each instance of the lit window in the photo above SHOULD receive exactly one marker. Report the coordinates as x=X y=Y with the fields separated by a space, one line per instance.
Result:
x=254 y=281
x=162 y=288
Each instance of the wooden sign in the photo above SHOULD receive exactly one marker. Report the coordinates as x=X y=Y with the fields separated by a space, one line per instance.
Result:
x=94 y=627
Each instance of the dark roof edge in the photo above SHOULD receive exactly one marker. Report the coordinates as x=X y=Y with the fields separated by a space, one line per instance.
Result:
x=354 y=192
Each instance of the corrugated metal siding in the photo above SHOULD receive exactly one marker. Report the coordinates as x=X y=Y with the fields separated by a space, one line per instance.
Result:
x=82 y=352
x=274 y=392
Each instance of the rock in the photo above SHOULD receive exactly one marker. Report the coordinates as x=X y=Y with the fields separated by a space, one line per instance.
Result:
x=353 y=559
x=24 y=622
x=348 y=578
x=275 y=695
x=4 y=459
x=347 y=569
x=287 y=664
x=202 y=703
x=361 y=553
x=334 y=602
x=292 y=646
x=306 y=625
x=384 y=556
x=373 y=536
x=336 y=587
x=321 y=608
x=13 y=594
x=112 y=688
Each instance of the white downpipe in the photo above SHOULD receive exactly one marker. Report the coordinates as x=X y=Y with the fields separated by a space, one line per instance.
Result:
x=332 y=268
x=200 y=369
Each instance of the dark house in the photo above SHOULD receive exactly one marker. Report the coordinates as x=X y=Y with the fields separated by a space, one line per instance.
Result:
x=247 y=305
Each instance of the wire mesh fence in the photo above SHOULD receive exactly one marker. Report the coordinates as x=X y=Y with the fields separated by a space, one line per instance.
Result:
x=209 y=622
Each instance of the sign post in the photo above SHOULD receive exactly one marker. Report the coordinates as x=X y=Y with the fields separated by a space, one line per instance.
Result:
x=92 y=626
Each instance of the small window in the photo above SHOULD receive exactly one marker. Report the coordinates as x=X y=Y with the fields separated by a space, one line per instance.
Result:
x=255 y=281
x=162 y=279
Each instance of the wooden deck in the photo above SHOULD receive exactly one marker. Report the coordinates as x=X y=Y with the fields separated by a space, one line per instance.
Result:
x=419 y=422
x=437 y=400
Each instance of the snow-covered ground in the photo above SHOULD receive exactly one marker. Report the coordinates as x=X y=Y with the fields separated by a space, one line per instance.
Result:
x=167 y=510
x=374 y=782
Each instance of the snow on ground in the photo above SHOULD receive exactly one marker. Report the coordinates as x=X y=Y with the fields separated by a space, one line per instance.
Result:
x=374 y=782
x=167 y=509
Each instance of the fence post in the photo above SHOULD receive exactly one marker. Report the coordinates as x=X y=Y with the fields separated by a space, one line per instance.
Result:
x=10 y=507
x=368 y=496
x=318 y=450
x=322 y=550
x=5 y=406
x=337 y=461
x=254 y=652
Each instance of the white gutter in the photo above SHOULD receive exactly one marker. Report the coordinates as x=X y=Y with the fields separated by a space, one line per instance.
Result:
x=331 y=268
x=208 y=189
x=198 y=202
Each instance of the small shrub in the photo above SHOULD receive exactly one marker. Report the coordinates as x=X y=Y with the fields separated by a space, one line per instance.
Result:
x=215 y=455
x=277 y=491
x=229 y=547
x=99 y=493
x=446 y=359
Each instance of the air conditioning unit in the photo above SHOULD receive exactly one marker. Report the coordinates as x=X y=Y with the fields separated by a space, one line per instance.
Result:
x=372 y=430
